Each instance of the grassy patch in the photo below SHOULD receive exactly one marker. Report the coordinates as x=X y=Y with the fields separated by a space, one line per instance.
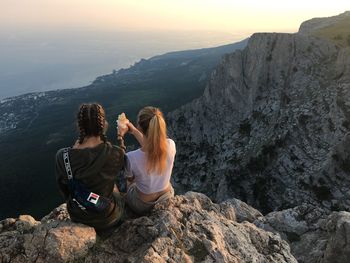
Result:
x=338 y=33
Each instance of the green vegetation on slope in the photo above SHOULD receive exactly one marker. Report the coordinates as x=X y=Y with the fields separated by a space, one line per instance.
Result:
x=339 y=33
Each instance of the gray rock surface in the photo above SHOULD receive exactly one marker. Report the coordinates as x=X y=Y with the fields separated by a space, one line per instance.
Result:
x=272 y=127
x=338 y=246
x=314 y=234
x=239 y=211
x=55 y=240
x=189 y=228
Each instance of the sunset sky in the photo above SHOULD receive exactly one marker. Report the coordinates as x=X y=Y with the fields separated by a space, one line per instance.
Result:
x=229 y=16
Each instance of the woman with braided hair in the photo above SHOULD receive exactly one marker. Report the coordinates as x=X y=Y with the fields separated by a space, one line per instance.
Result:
x=149 y=168
x=94 y=163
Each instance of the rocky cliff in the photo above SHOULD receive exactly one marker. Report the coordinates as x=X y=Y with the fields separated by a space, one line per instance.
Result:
x=272 y=127
x=189 y=228
x=314 y=234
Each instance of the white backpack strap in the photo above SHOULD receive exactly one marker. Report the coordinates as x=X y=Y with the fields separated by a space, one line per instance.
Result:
x=67 y=163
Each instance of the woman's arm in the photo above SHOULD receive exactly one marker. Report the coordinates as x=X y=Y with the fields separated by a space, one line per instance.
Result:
x=120 y=137
x=120 y=143
x=137 y=134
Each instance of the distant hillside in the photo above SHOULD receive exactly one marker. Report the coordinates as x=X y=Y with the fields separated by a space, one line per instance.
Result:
x=34 y=126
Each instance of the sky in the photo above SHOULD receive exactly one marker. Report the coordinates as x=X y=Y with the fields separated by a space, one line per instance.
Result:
x=229 y=16
x=55 y=44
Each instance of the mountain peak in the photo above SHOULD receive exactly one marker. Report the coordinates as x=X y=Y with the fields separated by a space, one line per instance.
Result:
x=314 y=24
x=271 y=127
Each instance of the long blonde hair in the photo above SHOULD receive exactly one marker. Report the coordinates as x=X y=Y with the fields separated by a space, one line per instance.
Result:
x=153 y=126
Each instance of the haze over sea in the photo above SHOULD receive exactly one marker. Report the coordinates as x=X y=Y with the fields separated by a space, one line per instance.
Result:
x=47 y=45
x=38 y=60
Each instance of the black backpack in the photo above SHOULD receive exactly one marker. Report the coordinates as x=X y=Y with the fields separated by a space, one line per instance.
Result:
x=84 y=198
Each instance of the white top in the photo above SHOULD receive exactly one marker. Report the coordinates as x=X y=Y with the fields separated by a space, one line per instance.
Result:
x=153 y=182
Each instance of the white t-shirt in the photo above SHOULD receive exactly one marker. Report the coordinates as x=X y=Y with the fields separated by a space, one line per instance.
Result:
x=153 y=182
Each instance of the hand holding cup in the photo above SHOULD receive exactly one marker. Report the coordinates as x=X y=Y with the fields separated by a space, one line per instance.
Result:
x=122 y=124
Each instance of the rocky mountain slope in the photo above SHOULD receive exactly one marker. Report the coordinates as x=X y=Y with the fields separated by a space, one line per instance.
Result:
x=188 y=228
x=272 y=127
x=314 y=234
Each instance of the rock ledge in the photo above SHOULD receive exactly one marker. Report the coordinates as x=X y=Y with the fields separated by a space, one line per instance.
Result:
x=189 y=228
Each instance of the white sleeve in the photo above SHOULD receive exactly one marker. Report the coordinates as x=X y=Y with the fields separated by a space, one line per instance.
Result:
x=172 y=146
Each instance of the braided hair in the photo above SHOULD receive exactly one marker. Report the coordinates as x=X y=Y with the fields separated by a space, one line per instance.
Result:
x=91 y=122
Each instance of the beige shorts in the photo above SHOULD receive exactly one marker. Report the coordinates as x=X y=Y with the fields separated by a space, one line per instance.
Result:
x=139 y=206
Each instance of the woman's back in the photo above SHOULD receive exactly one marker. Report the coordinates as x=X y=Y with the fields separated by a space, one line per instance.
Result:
x=151 y=182
x=95 y=167
x=92 y=165
x=150 y=168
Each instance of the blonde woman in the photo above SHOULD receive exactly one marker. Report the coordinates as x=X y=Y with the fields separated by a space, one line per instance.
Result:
x=149 y=168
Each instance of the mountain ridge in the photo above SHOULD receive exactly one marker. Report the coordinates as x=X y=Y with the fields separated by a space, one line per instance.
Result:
x=271 y=127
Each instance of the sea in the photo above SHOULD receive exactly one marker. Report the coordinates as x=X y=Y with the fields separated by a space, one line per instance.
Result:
x=41 y=60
